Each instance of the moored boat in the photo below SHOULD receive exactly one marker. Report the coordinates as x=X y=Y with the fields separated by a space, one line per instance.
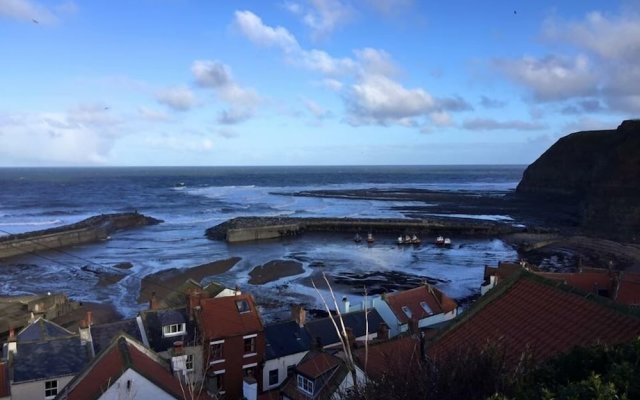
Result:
x=447 y=242
x=370 y=238
x=439 y=241
x=357 y=238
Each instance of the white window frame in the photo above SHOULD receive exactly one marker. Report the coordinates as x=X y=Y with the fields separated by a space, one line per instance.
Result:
x=53 y=387
x=189 y=360
x=305 y=384
x=219 y=360
x=253 y=337
x=220 y=372
x=174 y=330
x=407 y=311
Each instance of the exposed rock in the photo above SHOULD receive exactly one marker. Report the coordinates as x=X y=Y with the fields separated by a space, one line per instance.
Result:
x=123 y=265
x=597 y=173
x=274 y=270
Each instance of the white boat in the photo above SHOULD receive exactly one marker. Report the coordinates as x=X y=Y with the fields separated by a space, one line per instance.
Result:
x=415 y=239
x=447 y=242
x=370 y=238
x=439 y=240
x=357 y=238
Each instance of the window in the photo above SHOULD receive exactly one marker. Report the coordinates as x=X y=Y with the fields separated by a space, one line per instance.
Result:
x=174 y=330
x=50 y=389
x=250 y=345
x=305 y=384
x=273 y=377
x=189 y=362
x=426 y=307
x=249 y=372
x=217 y=349
x=215 y=383
x=406 y=310
x=243 y=306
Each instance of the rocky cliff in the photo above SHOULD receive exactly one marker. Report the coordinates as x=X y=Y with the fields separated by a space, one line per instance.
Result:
x=598 y=172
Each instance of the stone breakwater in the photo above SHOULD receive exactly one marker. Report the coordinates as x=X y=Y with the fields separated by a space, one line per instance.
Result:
x=86 y=231
x=259 y=228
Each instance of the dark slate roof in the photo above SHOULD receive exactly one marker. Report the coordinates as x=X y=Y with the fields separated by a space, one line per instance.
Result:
x=103 y=334
x=326 y=332
x=41 y=329
x=154 y=320
x=123 y=353
x=49 y=359
x=325 y=370
x=285 y=338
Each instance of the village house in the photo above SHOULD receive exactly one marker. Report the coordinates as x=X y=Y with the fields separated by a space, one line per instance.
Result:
x=233 y=344
x=360 y=325
x=43 y=358
x=530 y=313
x=620 y=286
x=5 y=390
x=423 y=306
x=126 y=370
x=319 y=375
x=286 y=344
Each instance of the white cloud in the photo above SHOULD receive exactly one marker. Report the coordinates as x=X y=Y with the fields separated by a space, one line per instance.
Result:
x=487 y=124
x=332 y=84
x=154 y=115
x=27 y=11
x=552 y=77
x=315 y=109
x=186 y=142
x=178 y=98
x=252 y=27
x=215 y=75
x=387 y=7
x=324 y=16
x=488 y=102
x=611 y=38
x=374 y=61
x=83 y=135
x=588 y=124
x=441 y=118
x=376 y=99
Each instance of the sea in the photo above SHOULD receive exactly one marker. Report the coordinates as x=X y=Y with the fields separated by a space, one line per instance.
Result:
x=191 y=199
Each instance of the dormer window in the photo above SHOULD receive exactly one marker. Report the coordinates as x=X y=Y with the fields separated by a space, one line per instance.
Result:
x=306 y=385
x=174 y=330
x=426 y=307
x=406 y=311
x=242 y=306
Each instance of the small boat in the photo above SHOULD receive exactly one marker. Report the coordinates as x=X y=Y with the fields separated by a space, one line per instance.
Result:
x=357 y=238
x=400 y=240
x=447 y=242
x=439 y=241
x=370 y=238
x=415 y=239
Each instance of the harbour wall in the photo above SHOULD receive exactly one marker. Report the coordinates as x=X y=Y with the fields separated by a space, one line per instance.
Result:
x=90 y=230
x=258 y=228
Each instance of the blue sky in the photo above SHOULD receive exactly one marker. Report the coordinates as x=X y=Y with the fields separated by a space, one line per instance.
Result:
x=309 y=82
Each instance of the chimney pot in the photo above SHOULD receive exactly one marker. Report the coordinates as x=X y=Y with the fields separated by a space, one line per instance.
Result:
x=299 y=314
x=153 y=302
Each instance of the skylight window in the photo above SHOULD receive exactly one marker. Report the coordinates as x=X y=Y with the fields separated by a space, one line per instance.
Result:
x=406 y=311
x=426 y=307
x=243 y=306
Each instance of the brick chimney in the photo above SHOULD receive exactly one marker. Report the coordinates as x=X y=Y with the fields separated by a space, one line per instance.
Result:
x=85 y=328
x=12 y=344
x=194 y=297
x=178 y=348
x=299 y=314
x=383 y=331
x=153 y=302
x=346 y=304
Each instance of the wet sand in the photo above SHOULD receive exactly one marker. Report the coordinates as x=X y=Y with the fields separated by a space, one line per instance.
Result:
x=274 y=270
x=164 y=282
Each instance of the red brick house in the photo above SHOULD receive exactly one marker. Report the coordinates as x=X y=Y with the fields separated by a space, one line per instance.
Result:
x=233 y=343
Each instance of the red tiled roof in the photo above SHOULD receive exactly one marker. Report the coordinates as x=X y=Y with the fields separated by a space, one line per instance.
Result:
x=317 y=364
x=530 y=311
x=123 y=353
x=590 y=281
x=629 y=289
x=437 y=301
x=4 y=380
x=220 y=317
x=403 y=352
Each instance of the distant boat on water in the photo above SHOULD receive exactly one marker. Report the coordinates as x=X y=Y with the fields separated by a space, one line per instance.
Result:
x=370 y=238
x=407 y=239
x=440 y=241
x=357 y=238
